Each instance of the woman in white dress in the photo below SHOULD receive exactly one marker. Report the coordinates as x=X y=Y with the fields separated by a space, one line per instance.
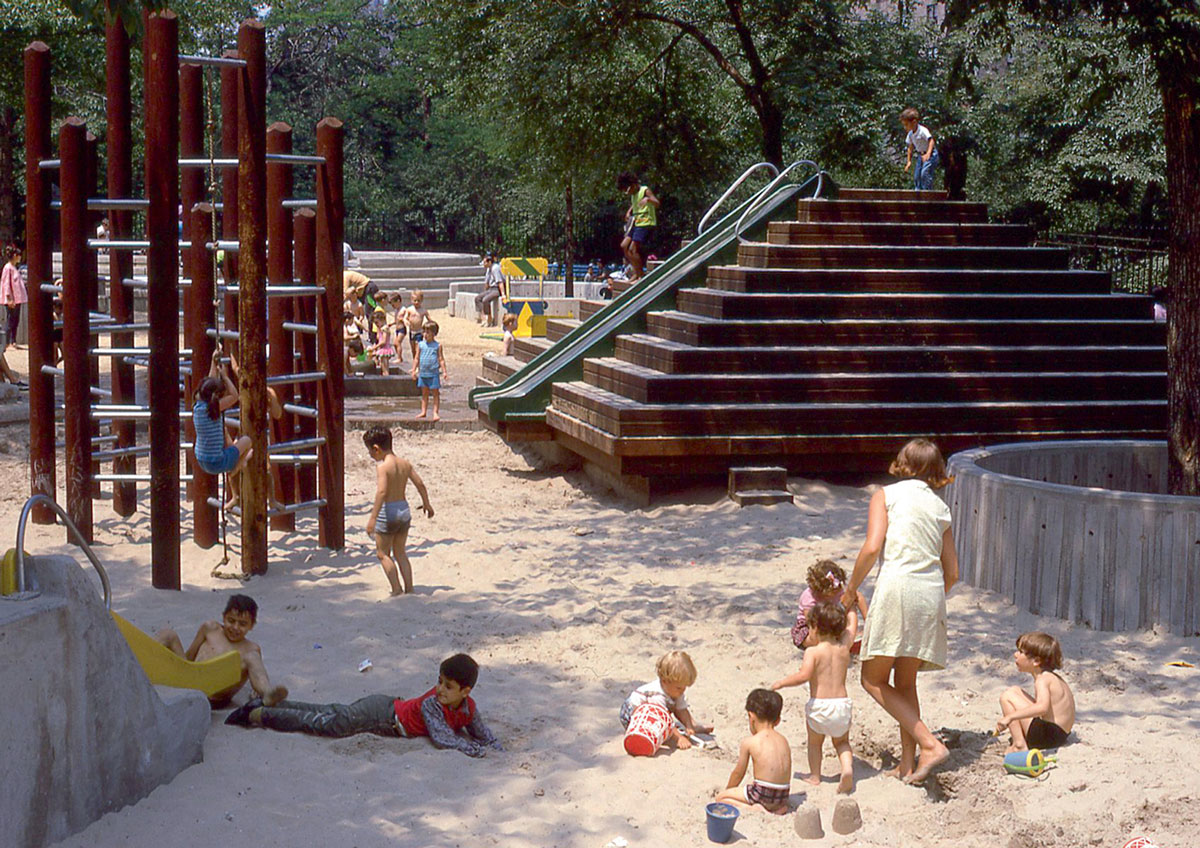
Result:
x=906 y=627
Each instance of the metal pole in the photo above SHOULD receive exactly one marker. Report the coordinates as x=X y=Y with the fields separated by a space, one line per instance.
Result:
x=279 y=272
x=38 y=256
x=92 y=282
x=252 y=294
x=230 y=77
x=162 y=270
x=305 y=229
x=331 y=215
x=205 y=528
x=119 y=152
x=191 y=143
x=72 y=150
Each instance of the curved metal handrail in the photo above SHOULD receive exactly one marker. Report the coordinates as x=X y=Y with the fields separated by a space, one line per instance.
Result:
x=732 y=188
x=87 y=549
x=758 y=198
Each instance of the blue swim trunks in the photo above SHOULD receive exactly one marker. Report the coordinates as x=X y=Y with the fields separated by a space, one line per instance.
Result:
x=432 y=382
x=642 y=235
x=396 y=517
x=222 y=463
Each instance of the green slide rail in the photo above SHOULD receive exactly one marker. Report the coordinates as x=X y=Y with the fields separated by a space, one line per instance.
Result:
x=524 y=395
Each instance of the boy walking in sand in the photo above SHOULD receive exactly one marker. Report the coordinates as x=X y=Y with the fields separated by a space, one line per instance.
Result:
x=429 y=369
x=1046 y=719
x=828 y=711
x=391 y=492
x=770 y=754
x=441 y=713
x=676 y=673
x=229 y=634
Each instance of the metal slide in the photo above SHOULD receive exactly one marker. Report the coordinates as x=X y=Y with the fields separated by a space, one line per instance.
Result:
x=525 y=395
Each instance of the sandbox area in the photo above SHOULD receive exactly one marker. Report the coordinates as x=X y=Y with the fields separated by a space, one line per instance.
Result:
x=566 y=596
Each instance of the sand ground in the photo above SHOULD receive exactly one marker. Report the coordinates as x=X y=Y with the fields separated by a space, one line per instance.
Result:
x=566 y=595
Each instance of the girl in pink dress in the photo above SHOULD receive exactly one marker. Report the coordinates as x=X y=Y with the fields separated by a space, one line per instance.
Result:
x=12 y=291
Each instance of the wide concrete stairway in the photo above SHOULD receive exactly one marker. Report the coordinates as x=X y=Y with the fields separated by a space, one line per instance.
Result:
x=872 y=318
x=432 y=273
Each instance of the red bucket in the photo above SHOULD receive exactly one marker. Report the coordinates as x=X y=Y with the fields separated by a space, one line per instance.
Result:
x=648 y=729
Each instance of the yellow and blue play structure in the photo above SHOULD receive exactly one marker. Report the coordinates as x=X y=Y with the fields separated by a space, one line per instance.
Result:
x=164 y=667
x=1031 y=763
x=530 y=311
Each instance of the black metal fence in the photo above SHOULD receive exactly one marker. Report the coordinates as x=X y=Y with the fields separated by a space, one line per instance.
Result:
x=1136 y=261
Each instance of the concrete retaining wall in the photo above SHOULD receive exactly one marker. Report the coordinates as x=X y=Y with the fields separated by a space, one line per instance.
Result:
x=84 y=733
x=556 y=307
x=1078 y=531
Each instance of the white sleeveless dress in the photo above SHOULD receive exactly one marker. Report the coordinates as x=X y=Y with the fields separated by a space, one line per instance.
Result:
x=907 y=616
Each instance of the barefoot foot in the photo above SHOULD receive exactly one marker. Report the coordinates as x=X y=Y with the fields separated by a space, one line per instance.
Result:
x=813 y=780
x=846 y=784
x=930 y=759
x=899 y=772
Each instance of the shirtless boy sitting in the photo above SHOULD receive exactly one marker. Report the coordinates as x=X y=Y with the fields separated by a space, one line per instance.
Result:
x=390 y=515
x=770 y=753
x=1046 y=719
x=229 y=634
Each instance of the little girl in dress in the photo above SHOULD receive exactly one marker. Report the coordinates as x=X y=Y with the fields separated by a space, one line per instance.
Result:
x=382 y=350
x=826 y=582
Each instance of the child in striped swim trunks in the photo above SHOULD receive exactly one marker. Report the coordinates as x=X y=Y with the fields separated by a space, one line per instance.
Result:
x=390 y=516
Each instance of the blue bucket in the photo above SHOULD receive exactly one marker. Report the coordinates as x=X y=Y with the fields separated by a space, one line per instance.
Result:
x=721 y=819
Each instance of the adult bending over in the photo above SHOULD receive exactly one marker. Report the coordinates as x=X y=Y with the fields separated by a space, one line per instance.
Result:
x=906 y=627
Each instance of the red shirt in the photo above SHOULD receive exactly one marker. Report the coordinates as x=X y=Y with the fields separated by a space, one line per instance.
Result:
x=408 y=713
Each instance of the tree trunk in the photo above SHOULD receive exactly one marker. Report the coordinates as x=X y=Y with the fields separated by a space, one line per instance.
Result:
x=569 y=225
x=770 y=118
x=8 y=207
x=1181 y=124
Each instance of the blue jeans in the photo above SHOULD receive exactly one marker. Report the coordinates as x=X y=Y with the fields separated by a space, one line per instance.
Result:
x=372 y=714
x=923 y=171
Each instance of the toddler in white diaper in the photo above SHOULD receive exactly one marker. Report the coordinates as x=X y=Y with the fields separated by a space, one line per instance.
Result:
x=828 y=710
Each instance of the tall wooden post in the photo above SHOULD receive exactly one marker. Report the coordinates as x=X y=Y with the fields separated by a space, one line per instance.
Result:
x=331 y=214
x=230 y=81
x=119 y=158
x=252 y=295
x=38 y=256
x=305 y=309
x=72 y=151
x=279 y=272
x=162 y=267
x=191 y=192
x=205 y=527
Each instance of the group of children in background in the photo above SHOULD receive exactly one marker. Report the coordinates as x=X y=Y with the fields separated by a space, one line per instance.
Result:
x=827 y=632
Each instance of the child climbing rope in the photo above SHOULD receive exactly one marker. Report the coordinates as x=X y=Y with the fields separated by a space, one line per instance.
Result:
x=215 y=452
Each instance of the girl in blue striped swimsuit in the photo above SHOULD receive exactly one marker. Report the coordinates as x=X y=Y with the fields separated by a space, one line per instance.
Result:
x=215 y=452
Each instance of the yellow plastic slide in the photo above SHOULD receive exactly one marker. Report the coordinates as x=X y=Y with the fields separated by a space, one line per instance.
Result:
x=164 y=667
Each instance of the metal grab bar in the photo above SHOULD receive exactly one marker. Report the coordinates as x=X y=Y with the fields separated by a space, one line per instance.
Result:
x=87 y=549
x=757 y=200
x=732 y=188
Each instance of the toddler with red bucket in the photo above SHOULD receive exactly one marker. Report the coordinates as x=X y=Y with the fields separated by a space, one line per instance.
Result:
x=659 y=706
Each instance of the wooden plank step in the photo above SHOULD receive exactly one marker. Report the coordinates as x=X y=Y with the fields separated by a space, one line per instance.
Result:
x=753 y=280
x=763 y=255
x=525 y=348
x=898 y=232
x=939 y=211
x=498 y=368
x=699 y=330
x=906 y=194
x=556 y=328
x=648 y=386
x=715 y=303
x=588 y=308
x=761 y=497
x=690 y=456
x=673 y=357
x=622 y=416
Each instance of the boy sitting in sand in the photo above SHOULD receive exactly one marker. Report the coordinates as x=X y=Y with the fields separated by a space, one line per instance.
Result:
x=229 y=634
x=675 y=674
x=828 y=711
x=1046 y=719
x=391 y=492
x=769 y=752
x=440 y=714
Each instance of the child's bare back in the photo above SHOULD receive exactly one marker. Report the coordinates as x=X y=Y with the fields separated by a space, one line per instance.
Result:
x=772 y=756
x=396 y=471
x=831 y=661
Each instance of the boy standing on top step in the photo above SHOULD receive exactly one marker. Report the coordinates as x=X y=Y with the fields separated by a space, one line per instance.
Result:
x=920 y=140
x=640 y=218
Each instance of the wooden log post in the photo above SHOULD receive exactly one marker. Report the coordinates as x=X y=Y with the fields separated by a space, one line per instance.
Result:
x=38 y=257
x=252 y=295
x=191 y=192
x=205 y=520
x=119 y=162
x=304 y=224
x=330 y=222
x=162 y=268
x=279 y=272
x=72 y=152
x=230 y=81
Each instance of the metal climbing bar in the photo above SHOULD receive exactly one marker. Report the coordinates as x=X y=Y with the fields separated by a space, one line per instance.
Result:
x=214 y=333
x=294 y=327
x=132 y=478
x=279 y=291
x=50 y=288
x=301 y=377
x=303 y=506
x=129 y=351
x=49 y=164
x=294 y=458
x=211 y=61
x=297 y=409
x=300 y=203
x=296 y=444
x=47 y=501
